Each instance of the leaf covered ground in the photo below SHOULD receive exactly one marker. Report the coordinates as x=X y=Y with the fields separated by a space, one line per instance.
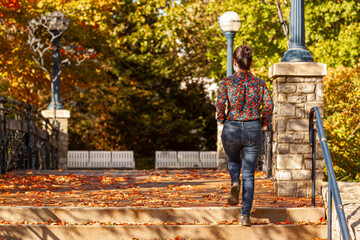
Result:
x=133 y=188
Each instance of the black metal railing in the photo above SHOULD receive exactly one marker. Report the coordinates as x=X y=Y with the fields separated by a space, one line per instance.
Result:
x=333 y=189
x=27 y=139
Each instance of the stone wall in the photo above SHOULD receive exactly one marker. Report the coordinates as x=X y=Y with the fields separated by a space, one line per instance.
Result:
x=297 y=87
x=350 y=198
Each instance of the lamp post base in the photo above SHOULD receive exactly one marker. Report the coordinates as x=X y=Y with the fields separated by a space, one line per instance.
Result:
x=57 y=105
x=297 y=55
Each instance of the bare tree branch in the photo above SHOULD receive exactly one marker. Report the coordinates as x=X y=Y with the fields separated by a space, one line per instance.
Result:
x=54 y=24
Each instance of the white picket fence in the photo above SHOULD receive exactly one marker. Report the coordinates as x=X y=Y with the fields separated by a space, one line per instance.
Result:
x=101 y=159
x=185 y=159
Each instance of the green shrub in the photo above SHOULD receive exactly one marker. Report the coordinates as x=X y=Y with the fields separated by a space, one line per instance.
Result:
x=342 y=120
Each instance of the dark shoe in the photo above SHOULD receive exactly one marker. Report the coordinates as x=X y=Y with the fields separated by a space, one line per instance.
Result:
x=234 y=194
x=245 y=220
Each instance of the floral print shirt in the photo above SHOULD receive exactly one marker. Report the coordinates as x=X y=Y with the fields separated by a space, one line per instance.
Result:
x=247 y=98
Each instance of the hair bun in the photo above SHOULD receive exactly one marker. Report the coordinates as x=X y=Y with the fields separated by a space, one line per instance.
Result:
x=246 y=51
x=243 y=56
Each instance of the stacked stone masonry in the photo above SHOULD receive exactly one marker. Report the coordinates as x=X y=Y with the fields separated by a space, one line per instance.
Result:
x=350 y=197
x=294 y=95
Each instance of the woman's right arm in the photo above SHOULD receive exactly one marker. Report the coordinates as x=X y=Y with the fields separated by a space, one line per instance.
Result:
x=222 y=97
x=268 y=106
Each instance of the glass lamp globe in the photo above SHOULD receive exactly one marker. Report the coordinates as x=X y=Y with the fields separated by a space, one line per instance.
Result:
x=230 y=22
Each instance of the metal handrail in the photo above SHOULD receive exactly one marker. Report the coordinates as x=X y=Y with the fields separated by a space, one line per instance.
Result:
x=333 y=189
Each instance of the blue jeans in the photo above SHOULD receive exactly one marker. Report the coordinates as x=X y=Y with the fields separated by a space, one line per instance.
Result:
x=242 y=143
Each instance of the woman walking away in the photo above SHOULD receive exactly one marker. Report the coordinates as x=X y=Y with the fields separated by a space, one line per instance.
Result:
x=249 y=109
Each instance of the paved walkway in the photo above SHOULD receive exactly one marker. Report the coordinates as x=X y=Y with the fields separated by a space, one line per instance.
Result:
x=133 y=188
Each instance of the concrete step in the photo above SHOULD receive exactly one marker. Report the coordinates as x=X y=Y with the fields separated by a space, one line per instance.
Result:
x=203 y=223
x=156 y=215
x=198 y=232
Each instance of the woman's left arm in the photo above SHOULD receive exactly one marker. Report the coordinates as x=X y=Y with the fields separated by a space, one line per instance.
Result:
x=221 y=102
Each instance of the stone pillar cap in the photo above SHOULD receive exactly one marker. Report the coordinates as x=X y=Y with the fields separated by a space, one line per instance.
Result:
x=60 y=113
x=297 y=69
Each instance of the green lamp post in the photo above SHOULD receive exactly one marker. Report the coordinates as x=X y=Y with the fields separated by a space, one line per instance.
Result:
x=297 y=51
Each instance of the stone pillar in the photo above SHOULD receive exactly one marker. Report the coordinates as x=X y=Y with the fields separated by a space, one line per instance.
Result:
x=221 y=156
x=62 y=117
x=297 y=87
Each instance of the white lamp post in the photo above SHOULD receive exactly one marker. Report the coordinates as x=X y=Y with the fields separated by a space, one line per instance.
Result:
x=229 y=24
